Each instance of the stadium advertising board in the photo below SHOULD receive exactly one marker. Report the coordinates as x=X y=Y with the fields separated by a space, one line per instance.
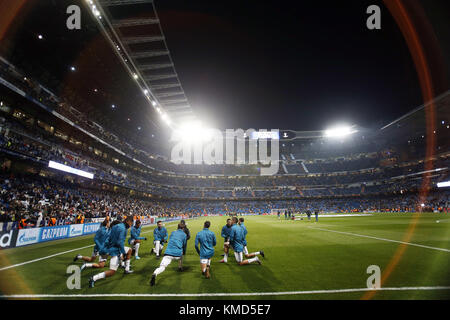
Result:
x=54 y=233
x=75 y=230
x=28 y=236
x=8 y=239
x=89 y=228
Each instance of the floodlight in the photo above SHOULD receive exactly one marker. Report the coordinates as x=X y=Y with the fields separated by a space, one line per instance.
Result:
x=338 y=132
x=194 y=131
x=166 y=118
x=443 y=184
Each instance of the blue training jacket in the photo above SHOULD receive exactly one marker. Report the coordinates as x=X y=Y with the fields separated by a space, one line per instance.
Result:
x=237 y=238
x=177 y=243
x=115 y=245
x=160 y=235
x=207 y=240
x=100 y=239
x=226 y=232
x=135 y=234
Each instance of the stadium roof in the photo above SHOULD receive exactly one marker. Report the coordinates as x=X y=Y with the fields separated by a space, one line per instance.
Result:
x=135 y=34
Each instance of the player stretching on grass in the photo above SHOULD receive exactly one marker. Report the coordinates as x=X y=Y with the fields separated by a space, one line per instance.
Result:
x=101 y=237
x=115 y=248
x=237 y=238
x=248 y=255
x=135 y=239
x=207 y=241
x=226 y=231
x=174 y=251
x=160 y=236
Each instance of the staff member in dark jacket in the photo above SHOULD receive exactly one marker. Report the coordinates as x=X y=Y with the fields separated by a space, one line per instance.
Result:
x=188 y=233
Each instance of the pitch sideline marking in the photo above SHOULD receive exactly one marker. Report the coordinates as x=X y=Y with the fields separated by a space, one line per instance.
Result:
x=53 y=255
x=137 y=295
x=382 y=239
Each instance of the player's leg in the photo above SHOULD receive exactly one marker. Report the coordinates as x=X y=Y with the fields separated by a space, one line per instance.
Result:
x=164 y=263
x=205 y=266
x=127 y=261
x=180 y=264
x=113 y=265
x=101 y=263
x=137 y=244
x=86 y=259
x=157 y=248
x=241 y=261
x=226 y=250
x=253 y=254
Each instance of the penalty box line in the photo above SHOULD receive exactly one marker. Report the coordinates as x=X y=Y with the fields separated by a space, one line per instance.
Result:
x=55 y=255
x=237 y=294
x=381 y=239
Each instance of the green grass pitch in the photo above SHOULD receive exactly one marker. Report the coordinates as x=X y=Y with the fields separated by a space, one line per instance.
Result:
x=299 y=257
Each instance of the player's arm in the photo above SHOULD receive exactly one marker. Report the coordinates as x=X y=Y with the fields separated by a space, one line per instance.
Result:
x=184 y=245
x=214 y=240
x=223 y=234
x=196 y=244
x=97 y=240
x=121 y=241
x=165 y=235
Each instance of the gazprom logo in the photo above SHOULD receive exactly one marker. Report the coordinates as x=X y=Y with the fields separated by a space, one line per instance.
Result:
x=27 y=236
x=91 y=228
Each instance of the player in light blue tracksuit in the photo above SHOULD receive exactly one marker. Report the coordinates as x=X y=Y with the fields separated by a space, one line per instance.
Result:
x=237 y=238
x=175 y=248
x=207 y=241
x=116 y=249
x=135 y=239
x=226 y=231
x=100 y=239
x=248 y=255
x=160 y=236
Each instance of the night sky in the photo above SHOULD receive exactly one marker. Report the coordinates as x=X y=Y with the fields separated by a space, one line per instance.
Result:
x=300 y=65
x=289 y=65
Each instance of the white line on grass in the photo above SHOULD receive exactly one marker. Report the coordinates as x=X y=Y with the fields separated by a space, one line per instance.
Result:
x=237 y=294
x=43 y=258
x=53 y=255
x=382 y=239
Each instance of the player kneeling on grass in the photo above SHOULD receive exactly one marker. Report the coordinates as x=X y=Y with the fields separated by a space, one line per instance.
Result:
x=116 y=249
x=248 y=255
x=237 y=238
x=100 y=239
x=226 y=231
x=174 y=251
x=207 y=241
x=160 y=236
x=135 y=240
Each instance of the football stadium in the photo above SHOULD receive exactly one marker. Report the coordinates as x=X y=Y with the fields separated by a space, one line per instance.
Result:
x=191 y=150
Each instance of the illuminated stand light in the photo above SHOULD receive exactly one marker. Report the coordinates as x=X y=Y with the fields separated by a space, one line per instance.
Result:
x=339 y=132
x=193 y=131
x=166 y=118
x=443 y=184
x=62 y=167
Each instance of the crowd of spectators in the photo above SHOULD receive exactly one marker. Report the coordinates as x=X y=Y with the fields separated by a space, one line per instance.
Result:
x=29 y=199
